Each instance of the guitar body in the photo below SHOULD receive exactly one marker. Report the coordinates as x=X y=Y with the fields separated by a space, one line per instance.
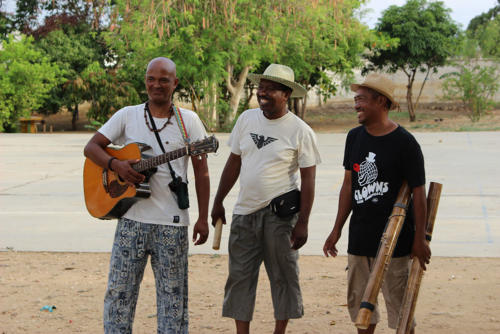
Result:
x=106 y=195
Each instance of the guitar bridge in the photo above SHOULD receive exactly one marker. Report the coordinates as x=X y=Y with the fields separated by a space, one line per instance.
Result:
x=105 y=180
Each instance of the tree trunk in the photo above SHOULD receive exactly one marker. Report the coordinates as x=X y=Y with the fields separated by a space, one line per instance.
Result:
x=235 y=88
x=422 y=87
x=249 y=95
x=409 y=96
x=210 y=104
x=296 y=106
x=74 y=117
x=303 y=108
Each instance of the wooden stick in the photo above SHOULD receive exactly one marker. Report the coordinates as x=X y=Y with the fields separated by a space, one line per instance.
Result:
x=416 y=272
x=217 y=234
x=383 y=259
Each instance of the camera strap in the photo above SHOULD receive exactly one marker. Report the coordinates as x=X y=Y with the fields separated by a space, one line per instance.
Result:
x=172 y=172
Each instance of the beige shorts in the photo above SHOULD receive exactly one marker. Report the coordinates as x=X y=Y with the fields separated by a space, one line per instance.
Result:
x=393 y=287
x=255 y=238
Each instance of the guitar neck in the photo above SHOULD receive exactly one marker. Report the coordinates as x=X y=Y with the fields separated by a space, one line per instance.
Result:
x=160 y=159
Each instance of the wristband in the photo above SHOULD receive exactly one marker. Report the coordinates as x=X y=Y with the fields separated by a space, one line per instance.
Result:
x=109 y=163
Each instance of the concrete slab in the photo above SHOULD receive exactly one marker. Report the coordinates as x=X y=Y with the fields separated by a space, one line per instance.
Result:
x=42 y=206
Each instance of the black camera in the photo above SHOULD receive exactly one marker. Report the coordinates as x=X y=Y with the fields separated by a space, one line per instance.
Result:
x=180 y=189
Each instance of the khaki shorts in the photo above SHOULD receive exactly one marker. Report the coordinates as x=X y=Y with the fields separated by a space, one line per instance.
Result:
x=393 y=287
x=255 y=238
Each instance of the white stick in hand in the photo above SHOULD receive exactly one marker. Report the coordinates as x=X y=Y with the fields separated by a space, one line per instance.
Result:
x=217 y=234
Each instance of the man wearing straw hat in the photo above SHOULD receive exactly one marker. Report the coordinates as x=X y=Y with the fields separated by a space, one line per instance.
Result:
x=270 y=147
x=379 y=156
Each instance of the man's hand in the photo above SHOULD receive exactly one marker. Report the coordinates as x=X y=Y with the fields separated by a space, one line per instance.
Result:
x=329 y=248
x=422 y=252
x=299 y=234
x=218 y=212
x=126 y=172
x=200 y=232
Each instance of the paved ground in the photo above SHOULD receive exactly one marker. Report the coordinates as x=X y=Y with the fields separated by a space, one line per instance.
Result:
x=42 y=205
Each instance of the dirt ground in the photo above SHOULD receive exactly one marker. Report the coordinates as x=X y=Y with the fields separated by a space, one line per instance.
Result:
x=458 y=295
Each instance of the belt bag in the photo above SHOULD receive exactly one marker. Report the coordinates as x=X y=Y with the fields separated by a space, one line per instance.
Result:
x=284 y=206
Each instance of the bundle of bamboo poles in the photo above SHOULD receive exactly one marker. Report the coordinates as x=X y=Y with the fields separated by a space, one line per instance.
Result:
x=384 y=255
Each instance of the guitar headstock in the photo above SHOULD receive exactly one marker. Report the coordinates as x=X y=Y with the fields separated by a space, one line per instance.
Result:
x=207 y=145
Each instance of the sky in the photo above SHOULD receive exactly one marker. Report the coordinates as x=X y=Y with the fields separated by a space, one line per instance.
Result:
x=462 y=10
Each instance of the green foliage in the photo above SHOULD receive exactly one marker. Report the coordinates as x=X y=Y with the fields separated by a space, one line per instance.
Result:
x=321 y=40
x=216 y=43
x=477 y=22
x=6 y=24
x=26 y=78
x=72 y=52
x=71 y=36
x=475 y=85
x=94 y=125
x=26 y=14
x=106 y=91
x=487 y=33
x=427 y=38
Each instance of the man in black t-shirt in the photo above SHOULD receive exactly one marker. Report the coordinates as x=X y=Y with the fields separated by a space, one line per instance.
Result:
x=379 y=155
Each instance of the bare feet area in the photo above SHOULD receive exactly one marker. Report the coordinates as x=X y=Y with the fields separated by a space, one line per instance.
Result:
x=458 y=295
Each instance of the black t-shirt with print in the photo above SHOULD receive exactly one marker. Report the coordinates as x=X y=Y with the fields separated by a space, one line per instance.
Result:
x=379 y=165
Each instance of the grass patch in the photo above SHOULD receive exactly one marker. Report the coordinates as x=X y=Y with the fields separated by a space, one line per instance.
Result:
x=424 y=126
x=479 y=127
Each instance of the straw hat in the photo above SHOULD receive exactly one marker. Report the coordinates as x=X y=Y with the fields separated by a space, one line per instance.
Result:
x=381 y=84
x=282 y=74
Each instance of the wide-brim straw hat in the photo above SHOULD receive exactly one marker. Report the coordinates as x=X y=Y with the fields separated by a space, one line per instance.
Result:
x=381 y=84
x=282 y=74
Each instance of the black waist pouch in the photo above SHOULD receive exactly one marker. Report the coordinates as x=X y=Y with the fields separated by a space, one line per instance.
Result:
x=286 y=205
x=180 y=189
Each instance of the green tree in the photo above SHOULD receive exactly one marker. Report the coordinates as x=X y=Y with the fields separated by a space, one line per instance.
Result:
x=106 y=91
x=26 y=78
x=6 y=22
x=474 y=84
x=485 y=29
x=324 y=41
x=427 y=38
x=216 y=43
x=72 y=45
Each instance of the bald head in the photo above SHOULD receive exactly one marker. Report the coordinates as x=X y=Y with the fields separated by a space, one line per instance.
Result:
x=161 y=81
x=164 y=62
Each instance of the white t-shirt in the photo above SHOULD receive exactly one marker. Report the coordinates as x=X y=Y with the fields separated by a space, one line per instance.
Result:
x=127 y=126
x=272 y=151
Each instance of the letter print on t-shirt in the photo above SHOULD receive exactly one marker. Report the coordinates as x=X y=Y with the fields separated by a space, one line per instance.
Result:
x=261 y=141
x=367 y=179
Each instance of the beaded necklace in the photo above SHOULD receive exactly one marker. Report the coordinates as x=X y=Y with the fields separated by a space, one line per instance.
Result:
x=146 y=110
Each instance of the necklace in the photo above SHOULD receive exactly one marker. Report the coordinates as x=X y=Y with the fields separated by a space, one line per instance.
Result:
x=146 y=110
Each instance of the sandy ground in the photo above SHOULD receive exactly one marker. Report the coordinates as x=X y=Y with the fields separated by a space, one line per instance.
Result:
x=458 y=295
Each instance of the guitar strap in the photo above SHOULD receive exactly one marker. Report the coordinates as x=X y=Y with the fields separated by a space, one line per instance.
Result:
x=182 y=128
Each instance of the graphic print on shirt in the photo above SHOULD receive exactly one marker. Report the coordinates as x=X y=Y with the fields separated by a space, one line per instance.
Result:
x=367 y=179
x=261 y=141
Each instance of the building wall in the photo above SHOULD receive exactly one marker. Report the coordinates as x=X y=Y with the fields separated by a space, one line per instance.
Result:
x=432 y=92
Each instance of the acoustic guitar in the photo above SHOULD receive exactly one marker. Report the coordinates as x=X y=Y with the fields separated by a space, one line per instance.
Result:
x=107 y=196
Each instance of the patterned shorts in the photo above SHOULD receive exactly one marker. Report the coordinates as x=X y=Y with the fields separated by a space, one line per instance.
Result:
x=168 y=247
